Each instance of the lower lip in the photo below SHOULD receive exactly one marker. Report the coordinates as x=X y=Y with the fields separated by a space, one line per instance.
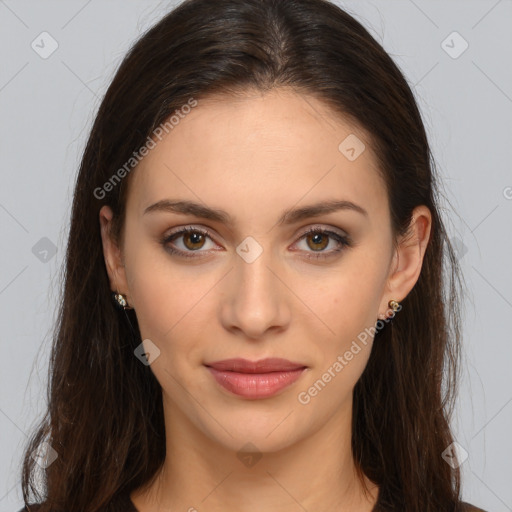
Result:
x=255 y=385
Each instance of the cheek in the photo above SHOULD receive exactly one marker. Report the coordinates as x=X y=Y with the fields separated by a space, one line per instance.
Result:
x=347 y=306
x=348 y=299
x=166 y=297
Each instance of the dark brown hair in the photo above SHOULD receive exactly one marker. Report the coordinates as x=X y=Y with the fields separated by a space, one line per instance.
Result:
x=105 y=416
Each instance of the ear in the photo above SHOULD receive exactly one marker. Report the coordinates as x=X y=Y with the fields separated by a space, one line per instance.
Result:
x=112 y=253
x=408 y=259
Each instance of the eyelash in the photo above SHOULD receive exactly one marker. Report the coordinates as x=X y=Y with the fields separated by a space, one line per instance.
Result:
x=343 y=241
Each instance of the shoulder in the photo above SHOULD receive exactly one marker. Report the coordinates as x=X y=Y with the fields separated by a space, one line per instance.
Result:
x=467 y=507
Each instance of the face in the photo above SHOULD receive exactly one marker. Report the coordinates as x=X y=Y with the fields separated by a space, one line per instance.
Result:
x=269 y=276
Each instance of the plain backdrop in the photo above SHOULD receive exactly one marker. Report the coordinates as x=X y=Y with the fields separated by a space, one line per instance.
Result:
x=456 y=55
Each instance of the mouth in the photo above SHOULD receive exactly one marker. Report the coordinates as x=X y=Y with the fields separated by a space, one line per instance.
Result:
x=255 y=379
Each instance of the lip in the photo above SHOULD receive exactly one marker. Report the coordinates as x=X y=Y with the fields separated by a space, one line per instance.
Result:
x=270 y=364
x=255 y=379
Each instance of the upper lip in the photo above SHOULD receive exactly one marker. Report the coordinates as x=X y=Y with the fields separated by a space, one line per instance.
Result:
x=272 y=364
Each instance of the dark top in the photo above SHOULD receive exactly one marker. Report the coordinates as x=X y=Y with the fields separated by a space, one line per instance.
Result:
x=125 y=504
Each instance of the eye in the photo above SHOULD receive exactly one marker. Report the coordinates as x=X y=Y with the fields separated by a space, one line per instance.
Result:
x=318 y=239
x=193 y=239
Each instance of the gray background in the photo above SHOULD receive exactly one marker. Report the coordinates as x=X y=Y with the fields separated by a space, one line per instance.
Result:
x=47 y=107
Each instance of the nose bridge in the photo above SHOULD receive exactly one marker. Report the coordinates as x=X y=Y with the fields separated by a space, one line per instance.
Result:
x=252 y=269
x=256 y=302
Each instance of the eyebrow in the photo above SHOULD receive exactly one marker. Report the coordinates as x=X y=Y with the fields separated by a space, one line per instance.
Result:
x=289 y=216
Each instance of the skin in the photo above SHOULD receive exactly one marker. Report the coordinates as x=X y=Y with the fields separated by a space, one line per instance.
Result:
x=255 y=156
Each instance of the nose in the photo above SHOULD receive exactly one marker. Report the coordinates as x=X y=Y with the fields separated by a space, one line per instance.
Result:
x=256 y=299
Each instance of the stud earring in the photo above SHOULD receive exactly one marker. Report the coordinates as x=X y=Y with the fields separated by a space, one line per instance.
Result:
x=121 y=301
x=394 y=306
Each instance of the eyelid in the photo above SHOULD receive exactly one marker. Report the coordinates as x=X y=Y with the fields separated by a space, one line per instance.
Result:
x=326 y=229
x=188 y=228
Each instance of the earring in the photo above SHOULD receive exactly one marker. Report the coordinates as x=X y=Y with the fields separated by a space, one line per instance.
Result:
x=121 y=301
x=394 y=305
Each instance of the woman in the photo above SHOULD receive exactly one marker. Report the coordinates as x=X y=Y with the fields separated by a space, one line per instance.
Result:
x=260 y=298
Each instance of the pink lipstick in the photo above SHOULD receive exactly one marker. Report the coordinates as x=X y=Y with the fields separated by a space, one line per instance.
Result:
x=255 y=379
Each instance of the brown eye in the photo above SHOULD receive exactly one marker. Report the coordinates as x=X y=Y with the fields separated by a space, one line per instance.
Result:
x=319 y=241
x=316 y=240
x=193 y=240
x=188 y=242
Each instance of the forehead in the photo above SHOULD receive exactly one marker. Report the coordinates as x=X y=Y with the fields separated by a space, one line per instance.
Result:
x=258 y=149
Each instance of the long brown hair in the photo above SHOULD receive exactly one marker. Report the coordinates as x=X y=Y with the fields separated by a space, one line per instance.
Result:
x=105 y=415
